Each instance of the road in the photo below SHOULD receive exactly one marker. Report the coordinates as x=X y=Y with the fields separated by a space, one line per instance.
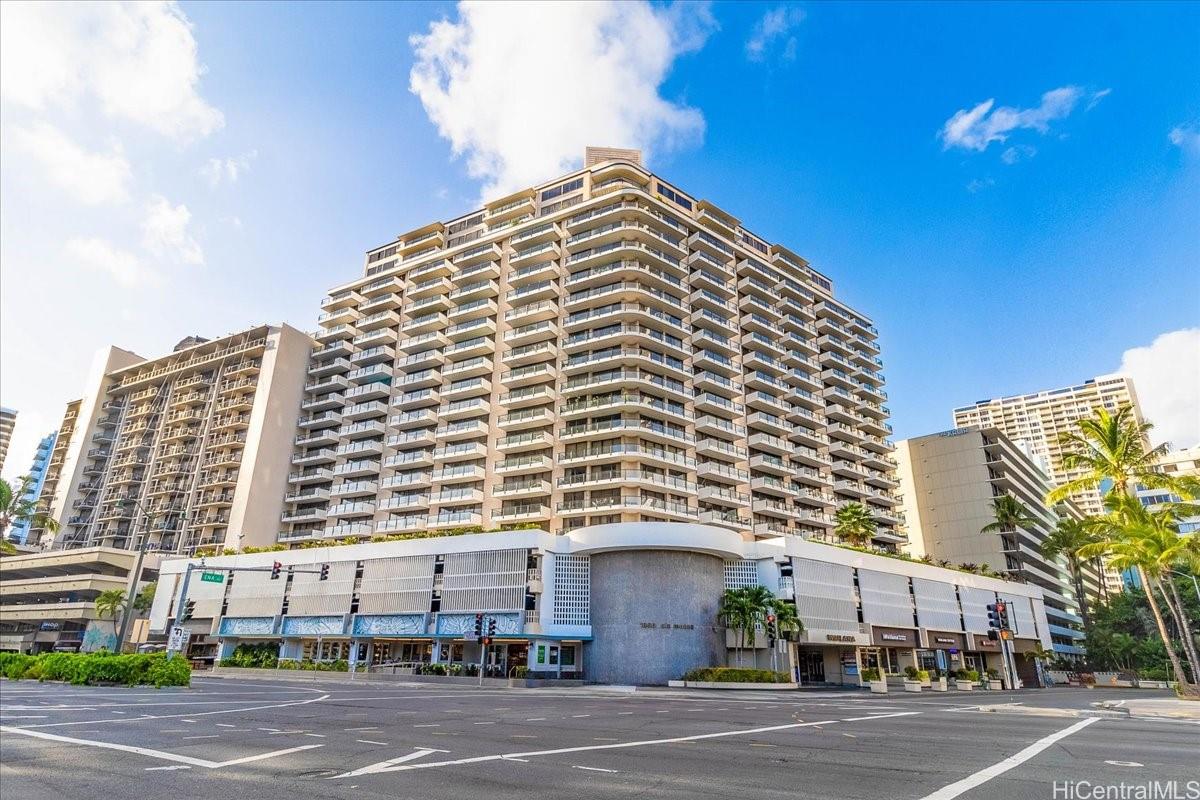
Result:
x=238 y=738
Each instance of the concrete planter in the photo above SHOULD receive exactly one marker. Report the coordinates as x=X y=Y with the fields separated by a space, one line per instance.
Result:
x=878 y=687
x=912 y=686
x=728 y=685
x=964 y=686
x=938 y=685
x=995 y=686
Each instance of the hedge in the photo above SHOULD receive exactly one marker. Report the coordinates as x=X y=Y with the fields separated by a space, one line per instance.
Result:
x=253 y=656
x=736 y=675
x=341 y=665
x=85 y=669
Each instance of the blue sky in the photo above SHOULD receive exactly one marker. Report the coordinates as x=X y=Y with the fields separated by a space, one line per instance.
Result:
x=275 y=143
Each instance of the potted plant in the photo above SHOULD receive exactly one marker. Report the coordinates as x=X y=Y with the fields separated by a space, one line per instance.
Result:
x=912 y=679
x=875 y=680
x=938 y=684
x=993 y=680
x=964 y=679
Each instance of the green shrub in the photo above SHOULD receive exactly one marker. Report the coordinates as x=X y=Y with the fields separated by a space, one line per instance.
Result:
x=263 y=655
x=923 y=675
x=993 y=675
x=910 y=673
x=521 y=672
x=870 y=674
x=971 y=675
x=735 y=675
x=81 y=669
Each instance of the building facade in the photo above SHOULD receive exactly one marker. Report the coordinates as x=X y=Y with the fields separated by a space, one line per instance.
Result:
x=190 y=450
x=48 y=599
x=949 y=482
x=8 y=421
x=33 y=493
x=1036 y=421
x=602 y=348
x=593 y=603
x=1178 y=463
x=54 y=468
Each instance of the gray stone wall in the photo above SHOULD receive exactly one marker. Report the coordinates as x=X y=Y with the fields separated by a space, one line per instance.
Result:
x=654 y=615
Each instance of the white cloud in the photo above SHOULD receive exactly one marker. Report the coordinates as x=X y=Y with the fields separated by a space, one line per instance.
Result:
x=91 y=178
x=772 y=27
x=980 y=126
x=1166 y=376
x=1096 y=97
x=226 y=170
x=595 y=70
x=165 y=232
x=1186 y=138
x=100 y=254
x=979 y=184
x=136 y=61
x=1012 y=155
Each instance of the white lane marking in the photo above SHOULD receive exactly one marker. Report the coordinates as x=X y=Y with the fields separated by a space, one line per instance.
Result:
x=882 y=716
x=368 y=741
x=592 y=769
x=316 y=735
x=180 y=717
x=619 y=745
x=522 y=760
x=385 y=766
x=624 y=713
x=1125 y=763
x=28 y=716
x=429 y=725
x=579 y=716
x=159 y=754
x=172 y=766
x=225 y=725
x=369 y=728
x=536 y=719
x=1000 y=767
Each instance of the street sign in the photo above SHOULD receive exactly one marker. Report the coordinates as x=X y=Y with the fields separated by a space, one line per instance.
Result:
x=212 y=577
x=179 y=637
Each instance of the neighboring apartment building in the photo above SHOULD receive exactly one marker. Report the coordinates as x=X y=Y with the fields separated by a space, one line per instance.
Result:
x=184 y=451
x=1038 y=420
x=1178 y=463
x=628 y=603
x=8 y=421
x=54 y=468
x=602 y=348
x=37 y=475
x=949 y=482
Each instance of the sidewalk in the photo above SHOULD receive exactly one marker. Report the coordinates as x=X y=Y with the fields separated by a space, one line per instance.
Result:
x=1170 y=707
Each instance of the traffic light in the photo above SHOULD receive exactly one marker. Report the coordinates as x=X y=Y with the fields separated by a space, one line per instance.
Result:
x=772 y=630
x=189 y=608
x=996 y=615
x=324 y=576
x=478 y=625
x=1002 y=608
x=491 y=629
x=994 y=635
x=275 y=570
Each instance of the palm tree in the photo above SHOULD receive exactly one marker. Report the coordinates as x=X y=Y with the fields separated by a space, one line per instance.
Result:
x=1010 y=514
x=110 y=603
x=16 y=508
x=1109 y=447
x=1067 y=539
x=855 y=524
x=787 y=619
x=1147 y=541
x=735 y=612
x=760 y=601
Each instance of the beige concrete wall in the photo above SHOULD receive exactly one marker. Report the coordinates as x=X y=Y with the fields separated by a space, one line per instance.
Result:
x=266 y=460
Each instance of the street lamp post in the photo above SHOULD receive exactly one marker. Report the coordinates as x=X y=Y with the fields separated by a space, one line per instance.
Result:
x=136 y=574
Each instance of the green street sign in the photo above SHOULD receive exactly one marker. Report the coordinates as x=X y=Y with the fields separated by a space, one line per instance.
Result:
x=212 y=577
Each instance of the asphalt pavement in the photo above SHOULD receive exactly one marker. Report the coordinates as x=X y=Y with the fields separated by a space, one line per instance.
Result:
x=267 y=740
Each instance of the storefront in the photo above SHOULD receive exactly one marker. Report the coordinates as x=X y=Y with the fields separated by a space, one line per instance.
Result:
x=891 y=650
x=943 y=652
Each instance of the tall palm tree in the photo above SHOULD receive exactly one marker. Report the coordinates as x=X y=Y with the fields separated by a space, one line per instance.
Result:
x=855 y=524
x=1010 y=514
x=1148 y=542
x=1067 y=539
x=15 y=508
x=787 y=619
x=760 y=601
x=735 y=612
x=1109 y=447
x=111 y=603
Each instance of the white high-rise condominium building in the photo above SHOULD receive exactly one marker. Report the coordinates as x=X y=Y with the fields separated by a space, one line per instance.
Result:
x=1036 y=421
x=601 y=348
x=185 y=451
x=8 y=421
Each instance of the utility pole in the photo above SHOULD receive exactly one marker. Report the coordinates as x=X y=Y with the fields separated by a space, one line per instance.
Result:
x=136 y=574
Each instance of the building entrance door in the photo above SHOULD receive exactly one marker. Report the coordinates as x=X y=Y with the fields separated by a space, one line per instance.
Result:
x=811 y=664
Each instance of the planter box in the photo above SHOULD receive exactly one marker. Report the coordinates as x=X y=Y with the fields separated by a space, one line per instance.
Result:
x=727 y=685
x=964 y=686
x=995 y=686
x=939 y=685
x=878 y=687
x=912 y=686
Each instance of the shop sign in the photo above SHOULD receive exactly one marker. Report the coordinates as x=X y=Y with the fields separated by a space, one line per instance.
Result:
x=840 y=637
x=667 y=626
x=49 y=626
x=541 y=654
x=893 y=637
